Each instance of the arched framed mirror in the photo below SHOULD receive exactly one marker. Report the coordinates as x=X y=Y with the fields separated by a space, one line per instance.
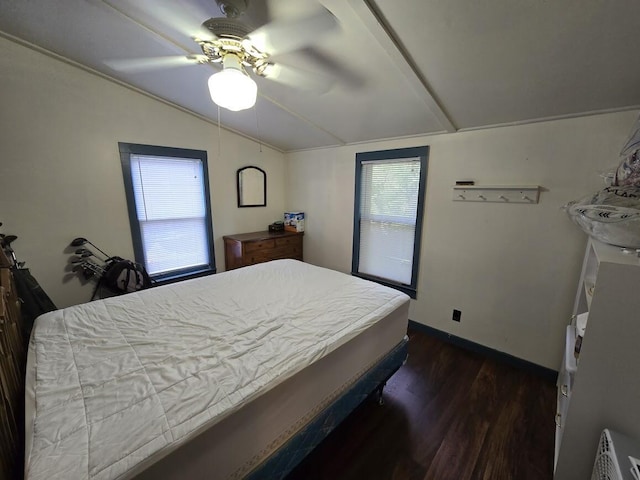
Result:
x=252 y=187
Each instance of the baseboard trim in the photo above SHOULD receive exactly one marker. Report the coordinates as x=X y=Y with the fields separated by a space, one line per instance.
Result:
x=544 y=372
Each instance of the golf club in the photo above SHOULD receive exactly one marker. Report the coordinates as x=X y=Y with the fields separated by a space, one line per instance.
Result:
x=7 y=239
x=80 y=241
x=88 y=267
x=86 y=251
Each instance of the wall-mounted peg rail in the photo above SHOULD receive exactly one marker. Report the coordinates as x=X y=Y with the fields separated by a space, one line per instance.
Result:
x=497 y=193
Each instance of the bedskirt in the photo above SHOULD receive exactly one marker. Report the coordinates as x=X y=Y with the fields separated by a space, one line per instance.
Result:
x=302 y=443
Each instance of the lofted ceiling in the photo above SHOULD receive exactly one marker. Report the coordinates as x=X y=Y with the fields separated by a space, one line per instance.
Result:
x=397 y=67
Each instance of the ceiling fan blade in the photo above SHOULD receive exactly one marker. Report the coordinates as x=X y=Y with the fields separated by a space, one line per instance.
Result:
x=136 y=65
x=300 y=79
x=159 y=15
x=344 y=74
x=286 y=35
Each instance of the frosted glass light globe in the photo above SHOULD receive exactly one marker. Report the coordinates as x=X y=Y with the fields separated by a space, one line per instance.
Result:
x=232 y=88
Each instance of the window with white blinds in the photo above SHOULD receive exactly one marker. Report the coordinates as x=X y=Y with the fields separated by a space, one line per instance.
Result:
x=388 y=217
x=167 y=192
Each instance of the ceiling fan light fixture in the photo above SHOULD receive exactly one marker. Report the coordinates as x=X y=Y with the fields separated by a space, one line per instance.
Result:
x=232 y=88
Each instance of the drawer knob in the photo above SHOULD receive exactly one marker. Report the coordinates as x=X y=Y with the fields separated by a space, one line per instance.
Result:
x=564 y=389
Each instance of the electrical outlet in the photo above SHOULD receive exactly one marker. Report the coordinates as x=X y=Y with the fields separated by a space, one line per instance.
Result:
x=456 y=315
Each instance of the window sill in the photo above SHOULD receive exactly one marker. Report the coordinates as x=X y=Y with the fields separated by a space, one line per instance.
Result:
x=408 y=289
x=174 y=277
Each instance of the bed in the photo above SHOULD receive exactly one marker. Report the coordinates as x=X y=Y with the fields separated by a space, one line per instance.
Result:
x=235 y=375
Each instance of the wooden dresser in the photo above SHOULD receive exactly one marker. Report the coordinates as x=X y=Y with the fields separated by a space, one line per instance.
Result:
x=250 y=248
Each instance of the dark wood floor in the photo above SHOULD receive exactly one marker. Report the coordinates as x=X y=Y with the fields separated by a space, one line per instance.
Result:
x=449 y=414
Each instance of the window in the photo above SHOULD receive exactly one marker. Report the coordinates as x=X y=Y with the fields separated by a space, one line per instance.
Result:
x=169 y=210
x=389 y=193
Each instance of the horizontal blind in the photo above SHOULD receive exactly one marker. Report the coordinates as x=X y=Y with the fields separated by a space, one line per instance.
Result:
x=169 y=194
x=388 y=211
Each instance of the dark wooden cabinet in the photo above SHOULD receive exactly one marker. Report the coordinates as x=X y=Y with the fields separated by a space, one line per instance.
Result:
x=250 y=248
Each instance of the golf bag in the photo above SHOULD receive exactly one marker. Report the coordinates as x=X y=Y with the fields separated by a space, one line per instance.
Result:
x=124 y=276
x=114 y=274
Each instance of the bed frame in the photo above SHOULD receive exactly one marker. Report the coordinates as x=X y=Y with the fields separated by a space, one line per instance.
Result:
x=288 y=454
x=12 y=367
x=285 y=459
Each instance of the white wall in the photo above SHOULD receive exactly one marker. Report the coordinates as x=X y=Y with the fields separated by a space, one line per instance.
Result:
x=60 y=173
x=511 y=269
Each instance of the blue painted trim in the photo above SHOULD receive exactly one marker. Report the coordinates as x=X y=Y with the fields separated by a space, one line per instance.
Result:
x=300 y=445
x=128 y=149
x=381 y=155
x=544 y=372
x=388 y=283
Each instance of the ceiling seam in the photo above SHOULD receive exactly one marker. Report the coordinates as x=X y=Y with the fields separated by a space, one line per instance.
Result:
x=373 y=19
x=290 y=112
x=552 y=118
x=473 y=129
x=146 y=27
x=377 y=140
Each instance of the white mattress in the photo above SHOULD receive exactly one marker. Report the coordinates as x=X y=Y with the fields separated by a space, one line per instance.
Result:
x=119 y=383
x=232 y=448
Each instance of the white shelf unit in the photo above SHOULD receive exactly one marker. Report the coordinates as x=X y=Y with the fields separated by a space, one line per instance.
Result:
x=566 y=378
x=601 y=388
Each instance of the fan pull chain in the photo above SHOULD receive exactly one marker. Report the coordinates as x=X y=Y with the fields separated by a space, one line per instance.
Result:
x=219 y=137
x=255 y=109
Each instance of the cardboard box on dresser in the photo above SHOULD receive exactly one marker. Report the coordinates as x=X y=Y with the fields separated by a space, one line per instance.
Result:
x=294 y=221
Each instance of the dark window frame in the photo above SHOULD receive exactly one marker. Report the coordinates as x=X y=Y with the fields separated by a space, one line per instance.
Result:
x=381 y=155
x=128 y=149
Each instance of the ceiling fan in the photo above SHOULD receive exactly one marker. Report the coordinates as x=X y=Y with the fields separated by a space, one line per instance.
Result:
x=231 y=43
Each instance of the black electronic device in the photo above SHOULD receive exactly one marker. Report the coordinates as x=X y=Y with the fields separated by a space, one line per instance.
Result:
x=277 y=227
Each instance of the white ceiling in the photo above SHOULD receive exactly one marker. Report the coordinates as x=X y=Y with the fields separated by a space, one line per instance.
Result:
x=402 y=67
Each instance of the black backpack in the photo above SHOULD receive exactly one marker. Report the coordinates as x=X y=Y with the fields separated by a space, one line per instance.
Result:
x=124 y=276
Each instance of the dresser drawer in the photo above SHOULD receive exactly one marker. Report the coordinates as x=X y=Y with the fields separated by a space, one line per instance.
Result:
x=288 y=241
x=285 y=252
x=260 y=245
x=273 y=254
x=256 y=257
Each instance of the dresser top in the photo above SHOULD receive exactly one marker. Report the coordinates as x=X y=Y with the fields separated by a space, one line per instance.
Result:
x=265 y=235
